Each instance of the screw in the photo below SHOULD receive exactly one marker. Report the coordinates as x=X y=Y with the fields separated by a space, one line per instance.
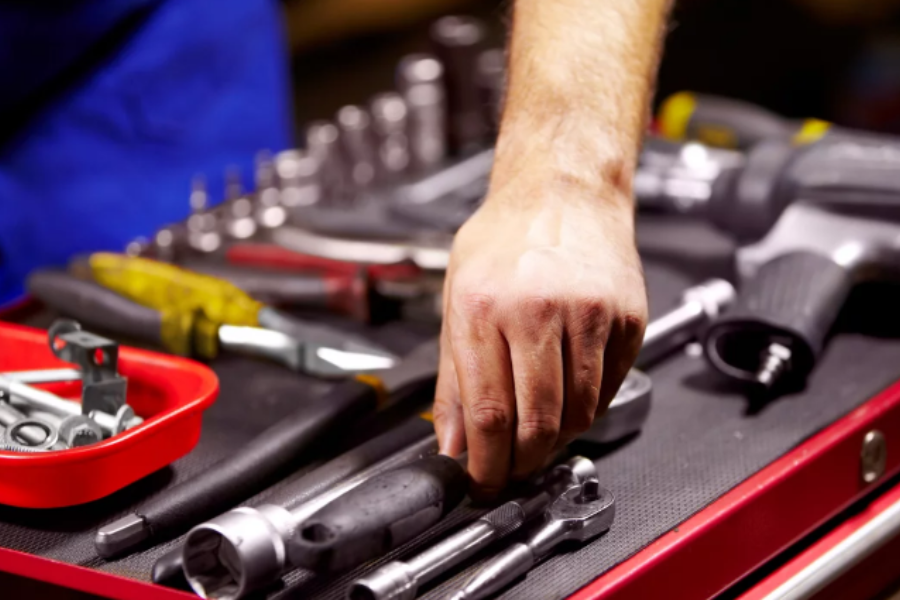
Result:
x=873 y=456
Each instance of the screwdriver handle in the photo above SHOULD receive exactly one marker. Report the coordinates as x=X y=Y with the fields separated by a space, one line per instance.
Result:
x=729 y=123
x=163 y=286
x=344 y=294
x=276 y=257
x=792 y=301
x=379 y=515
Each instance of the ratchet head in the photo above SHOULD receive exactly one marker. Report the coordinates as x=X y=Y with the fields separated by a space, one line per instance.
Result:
x=586 y=510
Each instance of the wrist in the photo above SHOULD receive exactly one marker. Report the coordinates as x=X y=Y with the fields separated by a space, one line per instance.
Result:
x=564 y=157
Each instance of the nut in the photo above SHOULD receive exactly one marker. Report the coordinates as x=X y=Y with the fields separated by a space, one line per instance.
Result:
x=79 y=430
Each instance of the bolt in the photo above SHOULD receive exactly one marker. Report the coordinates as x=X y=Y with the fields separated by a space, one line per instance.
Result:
x=79 y=430
x=776 y=361
x=40 y=399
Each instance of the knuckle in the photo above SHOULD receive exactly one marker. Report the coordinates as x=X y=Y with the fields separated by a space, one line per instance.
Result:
x=490 y=415
x=538 y=309
x=590 y=320
x=539 y=429
x=477 y=305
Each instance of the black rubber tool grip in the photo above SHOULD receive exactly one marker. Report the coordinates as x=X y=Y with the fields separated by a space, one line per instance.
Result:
x=95 y=306
x=379 y=515
x=168 y=568
x=793 y=301
x=259 y=463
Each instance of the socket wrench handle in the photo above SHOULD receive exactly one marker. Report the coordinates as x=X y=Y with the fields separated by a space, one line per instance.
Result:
x=380 y=515
x=777 y=328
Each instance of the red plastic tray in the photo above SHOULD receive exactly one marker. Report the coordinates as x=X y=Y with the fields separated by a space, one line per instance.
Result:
x=170 y=393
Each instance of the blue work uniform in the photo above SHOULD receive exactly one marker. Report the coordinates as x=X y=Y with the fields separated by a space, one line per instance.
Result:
x=109 y=107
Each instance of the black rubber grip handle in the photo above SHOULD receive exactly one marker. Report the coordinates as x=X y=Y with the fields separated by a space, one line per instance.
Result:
x=793 y=301
x=259 y=463
x=352 y=462
x=379 y=515
x=168 y=568
x=95 y=306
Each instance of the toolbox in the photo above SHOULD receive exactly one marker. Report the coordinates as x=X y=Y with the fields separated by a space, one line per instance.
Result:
x=713 y=489
x=170 y=393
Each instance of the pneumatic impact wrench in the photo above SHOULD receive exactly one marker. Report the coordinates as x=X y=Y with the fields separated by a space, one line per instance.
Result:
x=794 y=283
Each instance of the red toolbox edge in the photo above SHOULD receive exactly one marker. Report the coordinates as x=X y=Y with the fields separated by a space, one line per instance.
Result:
x=85 y=579
x=864 y=580
x=761 y=516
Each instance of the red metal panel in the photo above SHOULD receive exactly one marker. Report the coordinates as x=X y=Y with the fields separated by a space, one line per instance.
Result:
x=863 y=581
x=84 y=579
x=760 y=517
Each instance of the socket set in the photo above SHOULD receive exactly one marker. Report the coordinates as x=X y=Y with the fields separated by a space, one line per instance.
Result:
x=410 y=164
x=81 y=417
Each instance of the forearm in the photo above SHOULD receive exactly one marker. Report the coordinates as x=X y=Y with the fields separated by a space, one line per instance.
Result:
x=580 y=79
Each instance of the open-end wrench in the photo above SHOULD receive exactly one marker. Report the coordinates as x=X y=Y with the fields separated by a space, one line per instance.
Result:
x=400 y=580
x=581 y=513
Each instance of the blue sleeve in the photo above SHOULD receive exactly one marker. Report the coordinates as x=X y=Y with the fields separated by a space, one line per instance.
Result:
x=188 y=86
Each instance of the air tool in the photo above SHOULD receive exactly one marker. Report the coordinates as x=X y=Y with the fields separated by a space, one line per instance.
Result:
x=744 y=194
x=730 y=123
x=794 y=283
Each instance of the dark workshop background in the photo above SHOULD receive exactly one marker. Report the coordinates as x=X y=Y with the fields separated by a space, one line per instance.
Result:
x=837 y=60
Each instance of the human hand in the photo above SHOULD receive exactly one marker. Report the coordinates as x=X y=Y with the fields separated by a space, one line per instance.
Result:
x=544 y=313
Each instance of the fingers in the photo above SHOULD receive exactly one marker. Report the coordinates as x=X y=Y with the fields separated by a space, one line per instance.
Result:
x=625 y=338
x=587 y=330
x=447 y=411
x=535 y=341
x=485 y=381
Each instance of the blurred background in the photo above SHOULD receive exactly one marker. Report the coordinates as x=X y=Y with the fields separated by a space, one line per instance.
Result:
x=837 y=60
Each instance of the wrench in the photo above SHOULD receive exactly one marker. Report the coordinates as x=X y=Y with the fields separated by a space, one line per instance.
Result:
x=400 y=580
x=580 y=514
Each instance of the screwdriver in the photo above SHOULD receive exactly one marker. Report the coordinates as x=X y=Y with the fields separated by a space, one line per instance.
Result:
x=274 y=256
x=165 y=287
x=729 y=123
x=179 y=332
x=263 y=459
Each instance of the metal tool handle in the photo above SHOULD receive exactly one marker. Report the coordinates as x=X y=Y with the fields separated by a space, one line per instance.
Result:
x=379 y=515
x=792 y=302
x=258 y=463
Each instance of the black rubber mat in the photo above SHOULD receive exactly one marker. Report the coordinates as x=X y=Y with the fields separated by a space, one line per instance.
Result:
x=703 y=436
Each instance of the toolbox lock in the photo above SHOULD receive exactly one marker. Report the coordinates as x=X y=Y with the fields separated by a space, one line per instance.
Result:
x=873 y=456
